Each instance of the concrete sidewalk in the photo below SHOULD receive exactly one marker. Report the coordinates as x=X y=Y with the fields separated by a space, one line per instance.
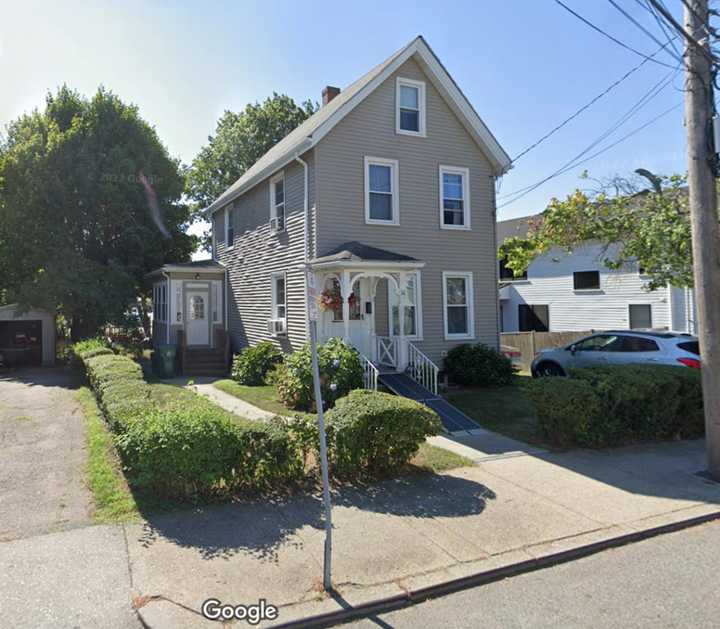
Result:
x=398 y=536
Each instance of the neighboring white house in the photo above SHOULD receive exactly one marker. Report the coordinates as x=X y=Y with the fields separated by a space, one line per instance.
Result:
x=575 y=291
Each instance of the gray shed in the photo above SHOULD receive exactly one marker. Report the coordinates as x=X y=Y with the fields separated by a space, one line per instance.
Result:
x=27 y=338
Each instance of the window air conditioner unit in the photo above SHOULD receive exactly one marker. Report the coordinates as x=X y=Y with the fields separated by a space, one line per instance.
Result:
x=277 y=327
x=277 y=224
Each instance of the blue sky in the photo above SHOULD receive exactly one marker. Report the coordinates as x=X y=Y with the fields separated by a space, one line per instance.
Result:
x=524 y=64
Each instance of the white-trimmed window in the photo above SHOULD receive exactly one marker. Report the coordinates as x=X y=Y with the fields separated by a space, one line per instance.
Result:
x=458 y=309
x=381 y=191
x=413 y=308
x=160 y=305
x=454 y=197
x=277 y=203
x=410 y=107
x=279 y=307
x=229 y=226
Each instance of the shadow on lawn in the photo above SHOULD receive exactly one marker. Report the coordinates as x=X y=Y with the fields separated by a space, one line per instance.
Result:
x=260 y=528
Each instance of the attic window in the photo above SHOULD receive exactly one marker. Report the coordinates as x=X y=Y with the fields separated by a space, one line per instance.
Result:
x=410 y=107
x=586 y=280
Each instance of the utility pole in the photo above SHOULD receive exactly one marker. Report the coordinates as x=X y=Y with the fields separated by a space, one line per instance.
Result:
x=703 y=214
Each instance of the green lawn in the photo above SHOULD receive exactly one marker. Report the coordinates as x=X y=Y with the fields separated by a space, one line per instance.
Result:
x=433 y=459
x=506 y=410
x=264 y=397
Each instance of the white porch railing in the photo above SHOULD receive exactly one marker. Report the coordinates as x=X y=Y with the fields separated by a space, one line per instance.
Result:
x=370 y=373
x=421 y=369
x=387 y=350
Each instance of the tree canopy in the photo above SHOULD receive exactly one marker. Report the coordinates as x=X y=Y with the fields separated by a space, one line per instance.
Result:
x=240 y=140
x=645 y=227
x=90 y=201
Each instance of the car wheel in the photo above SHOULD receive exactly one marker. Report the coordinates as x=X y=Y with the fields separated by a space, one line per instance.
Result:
x=548 y=370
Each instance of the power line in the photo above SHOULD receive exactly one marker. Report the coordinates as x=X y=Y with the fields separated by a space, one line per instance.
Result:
x=678 y=27
x=640 y=26
x=649 y=8
x=610 y=37
x=590 y=103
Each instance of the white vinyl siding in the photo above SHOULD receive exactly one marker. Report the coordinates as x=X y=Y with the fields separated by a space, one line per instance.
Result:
x=410 y=107
x=454 y=197
x=381 y=191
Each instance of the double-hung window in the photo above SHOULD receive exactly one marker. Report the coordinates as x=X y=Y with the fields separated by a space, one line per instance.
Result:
x=381 y=191
x=458 y=305
x=278 y=323
x=410 y=107
x=413 y=301
x=277 y=203
x=454 y=197
x=160 y=309
x=229 y=226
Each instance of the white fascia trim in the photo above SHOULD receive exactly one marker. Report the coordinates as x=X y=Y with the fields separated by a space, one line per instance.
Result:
x=465 y=172
x=420 y=85
x=186 y=269
x=395 y=171
x=470 y=297
x=359 y=264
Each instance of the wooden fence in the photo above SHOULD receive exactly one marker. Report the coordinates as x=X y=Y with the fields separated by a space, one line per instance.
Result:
x=530 y=343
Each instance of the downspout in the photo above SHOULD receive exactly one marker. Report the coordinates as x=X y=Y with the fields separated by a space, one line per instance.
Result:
x=306 y=235
x=168 y=301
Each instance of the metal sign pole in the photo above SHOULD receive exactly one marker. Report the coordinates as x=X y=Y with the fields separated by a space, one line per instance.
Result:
x=313 y=316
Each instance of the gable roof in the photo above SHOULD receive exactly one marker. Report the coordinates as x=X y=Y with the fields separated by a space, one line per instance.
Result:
x=514 y=227
x=310 y=132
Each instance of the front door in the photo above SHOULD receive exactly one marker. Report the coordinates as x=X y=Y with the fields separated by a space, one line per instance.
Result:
x=197 y=324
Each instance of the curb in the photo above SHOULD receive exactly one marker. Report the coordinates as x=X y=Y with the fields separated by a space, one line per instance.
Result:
x=399 y=601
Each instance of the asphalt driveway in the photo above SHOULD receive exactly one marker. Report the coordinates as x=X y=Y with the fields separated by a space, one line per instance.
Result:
x=42 y=449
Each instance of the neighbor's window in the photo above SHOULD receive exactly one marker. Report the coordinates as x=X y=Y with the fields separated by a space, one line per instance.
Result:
x=533 y=318
x=507 y=274
x=640 y=316
x=160 y=301
x=586 y=280
x=458 y=298
x=229 y=226
x=277 y=202
x=412 y=301
x=410 y=107
x=278 y=296
x=381 y=194
x=454 y=197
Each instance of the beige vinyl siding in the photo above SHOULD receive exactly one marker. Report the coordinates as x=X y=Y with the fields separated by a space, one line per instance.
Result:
x=369 y=130
x=258 y=254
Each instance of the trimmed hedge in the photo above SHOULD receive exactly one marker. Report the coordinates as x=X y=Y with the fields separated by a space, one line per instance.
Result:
x=478 y=365
x=188 y=446
x=371 y=433
x=340 y=372
x=251 y=366
x=605 y=406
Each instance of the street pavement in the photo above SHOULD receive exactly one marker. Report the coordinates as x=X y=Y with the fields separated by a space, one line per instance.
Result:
x=666 y=581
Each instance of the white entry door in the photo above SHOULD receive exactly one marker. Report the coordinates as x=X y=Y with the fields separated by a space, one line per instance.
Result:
x=196 y=325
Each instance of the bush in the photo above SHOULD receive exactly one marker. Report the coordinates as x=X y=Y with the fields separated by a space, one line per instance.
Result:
x=251 y=366
x=340 y=372
x=478 y=365
x=605 y=406
x=372 y=433
x=181 y=445
x=89 y=348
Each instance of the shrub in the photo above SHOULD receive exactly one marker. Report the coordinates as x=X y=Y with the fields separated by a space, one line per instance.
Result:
x=478 y=365
x=340 y=372
x=89 y=348
x=371 y=433
x=568 y=411
x=611 y=405
x=252 y=364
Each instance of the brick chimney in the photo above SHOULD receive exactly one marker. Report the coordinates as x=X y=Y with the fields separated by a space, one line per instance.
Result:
x=328 y=93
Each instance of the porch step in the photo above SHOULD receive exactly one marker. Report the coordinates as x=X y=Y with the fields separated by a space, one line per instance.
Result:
x=205 y=362
x=453 y=419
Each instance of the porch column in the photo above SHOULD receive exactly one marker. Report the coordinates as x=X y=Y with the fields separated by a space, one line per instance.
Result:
x=345 y=294
x=402 y=350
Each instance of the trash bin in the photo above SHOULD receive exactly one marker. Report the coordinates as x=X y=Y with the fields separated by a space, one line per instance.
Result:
x=165 y=361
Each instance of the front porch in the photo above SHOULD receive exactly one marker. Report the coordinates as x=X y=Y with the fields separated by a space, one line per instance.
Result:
x=371 y=298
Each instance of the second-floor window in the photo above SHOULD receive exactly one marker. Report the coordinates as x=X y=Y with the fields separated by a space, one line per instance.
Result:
x=277 y=203
x=229 y=226
x=454 y=198
x=381 y=191
x=586 y=280
x=410 y=107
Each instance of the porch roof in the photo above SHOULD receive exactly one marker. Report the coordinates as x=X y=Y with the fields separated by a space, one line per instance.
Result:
x=196 y=266
x=356 y=253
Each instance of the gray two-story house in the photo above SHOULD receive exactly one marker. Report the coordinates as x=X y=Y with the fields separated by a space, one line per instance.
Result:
x=386 y=196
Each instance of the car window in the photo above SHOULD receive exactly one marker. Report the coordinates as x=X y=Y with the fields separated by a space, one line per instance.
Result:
x=637 y=344
x=690 y=346
x=599 y=343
